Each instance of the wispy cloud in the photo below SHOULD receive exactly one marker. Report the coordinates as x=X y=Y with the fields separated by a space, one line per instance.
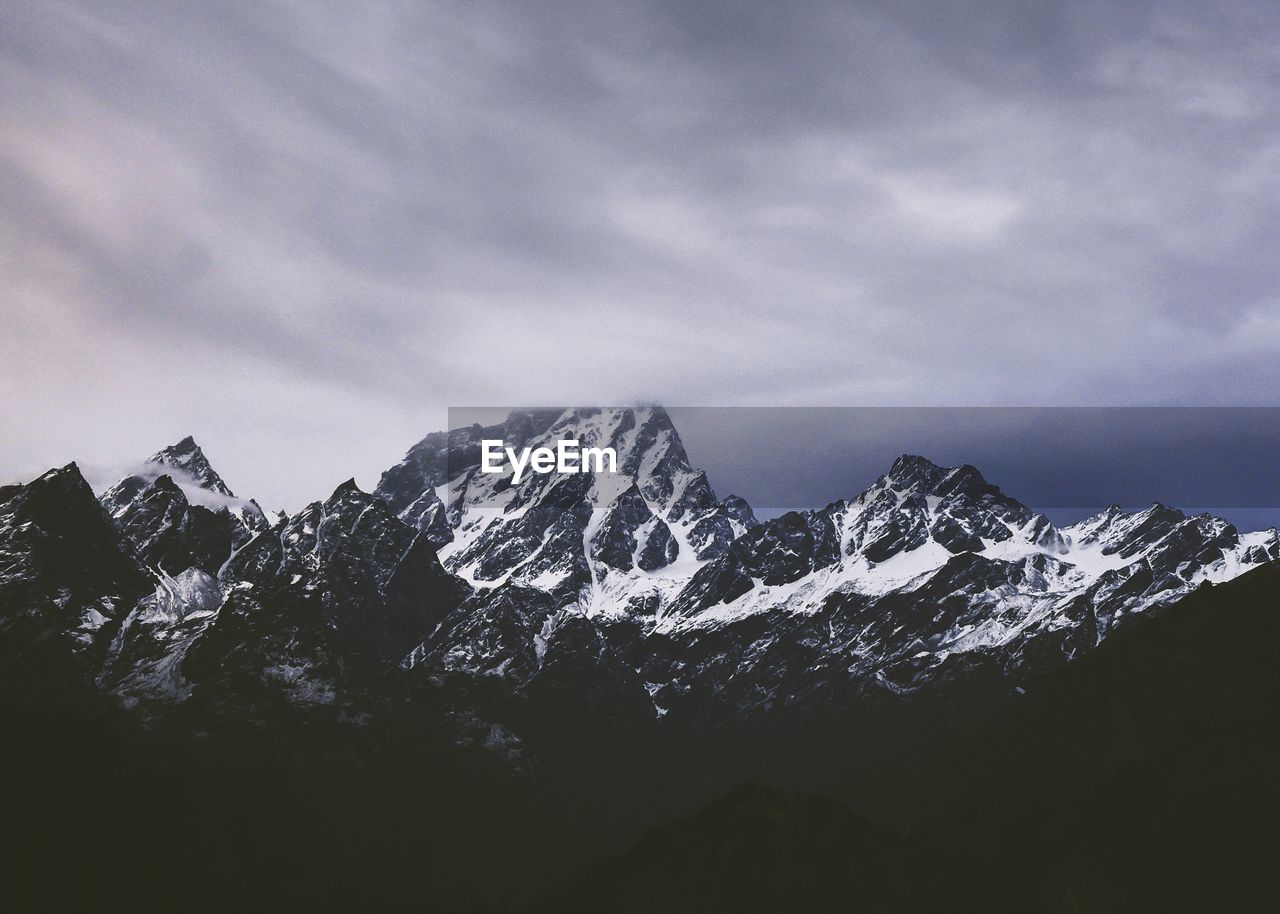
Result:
x=102 y=477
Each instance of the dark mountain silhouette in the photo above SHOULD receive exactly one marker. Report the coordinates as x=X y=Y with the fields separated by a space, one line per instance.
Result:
x=459 y=692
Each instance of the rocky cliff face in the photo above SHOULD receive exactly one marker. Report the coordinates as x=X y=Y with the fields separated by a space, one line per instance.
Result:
x=304 y=615
x=640 y=591
x=66 y=577
x=931 y=574
x=566 y=534
x=178 y=513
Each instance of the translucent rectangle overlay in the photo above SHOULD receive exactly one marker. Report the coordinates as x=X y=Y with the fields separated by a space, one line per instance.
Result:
x=1066 y=462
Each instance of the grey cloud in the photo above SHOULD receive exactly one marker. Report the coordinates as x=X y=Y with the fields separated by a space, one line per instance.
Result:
x=401 y=205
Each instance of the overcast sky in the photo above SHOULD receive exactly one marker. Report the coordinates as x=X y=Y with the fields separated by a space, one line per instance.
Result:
x=300 y=231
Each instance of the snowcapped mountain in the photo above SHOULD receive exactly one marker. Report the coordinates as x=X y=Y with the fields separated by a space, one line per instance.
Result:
x=289 y=617
x=629 y=534
x=65 y=578
x=187 y=458
x=458 y=650
x=639 y=592
x=921 y=525
x=930 y=572
x=178 y=512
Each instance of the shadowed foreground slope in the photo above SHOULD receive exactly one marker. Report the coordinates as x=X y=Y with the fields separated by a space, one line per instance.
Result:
x=1143 y=777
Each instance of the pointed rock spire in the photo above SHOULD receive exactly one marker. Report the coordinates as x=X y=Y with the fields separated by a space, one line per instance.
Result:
x=187 y=457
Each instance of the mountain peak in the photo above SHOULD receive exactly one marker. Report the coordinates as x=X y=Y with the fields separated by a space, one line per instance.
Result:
x=910 y=464
x=187 y=457
x=921 y=473
x=345 y=490
x=63 y=479
x=60 y=501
